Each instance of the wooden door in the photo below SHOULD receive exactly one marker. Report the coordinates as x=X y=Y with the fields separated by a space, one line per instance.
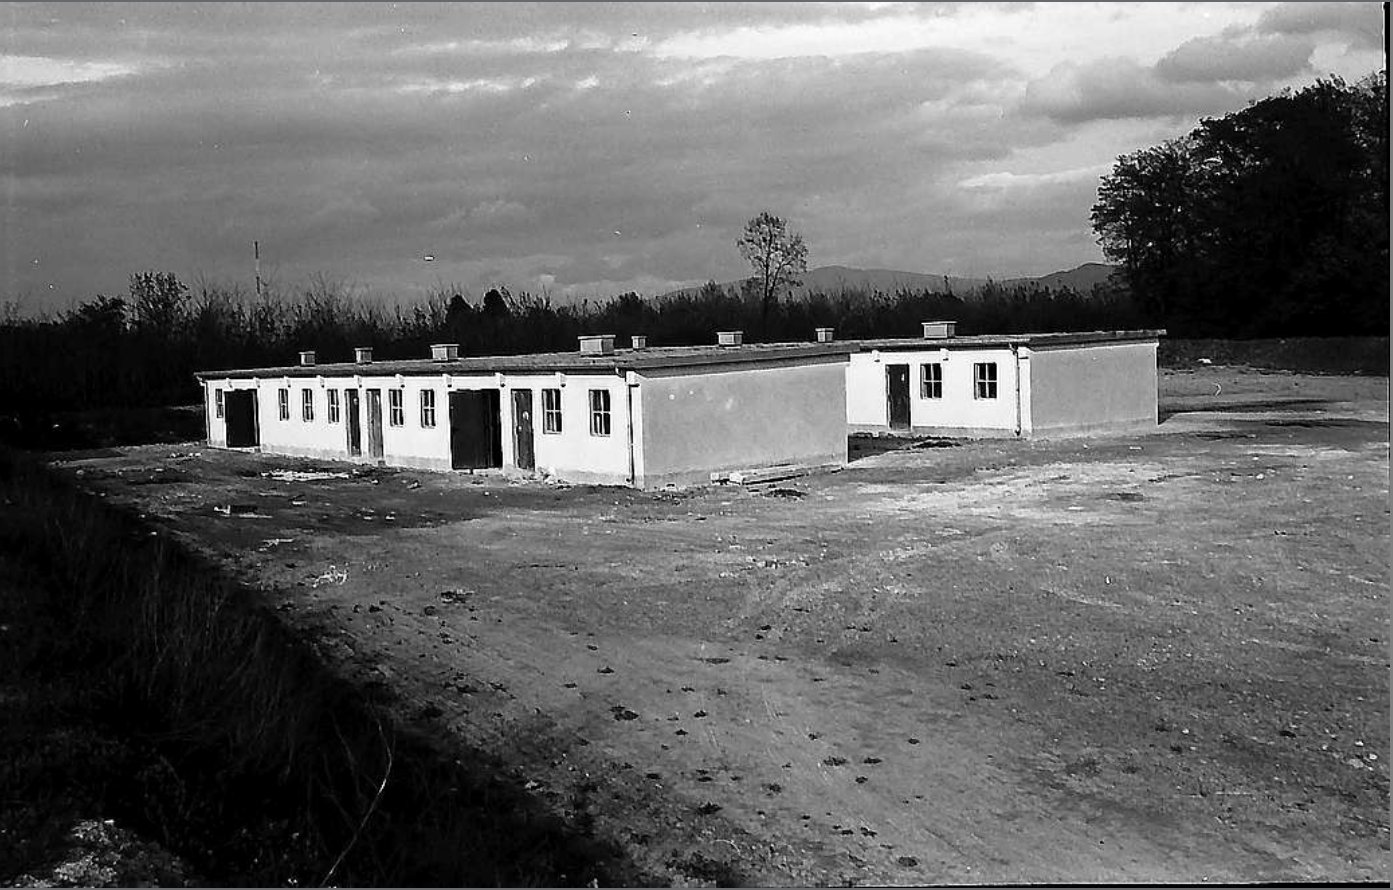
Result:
x=353 y=422
x=524 y=455
x=375 y=423
x=897 y=395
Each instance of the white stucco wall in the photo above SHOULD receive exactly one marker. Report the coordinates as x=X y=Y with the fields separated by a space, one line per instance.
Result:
x=573 y=455
x=698 y=420
x=217 y=426
x=685 y=422
x=408 y=445
x=957 y=413
x=1092 y=388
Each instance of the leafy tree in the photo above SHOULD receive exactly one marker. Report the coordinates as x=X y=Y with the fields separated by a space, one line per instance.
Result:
x=496 y=304
x=158 y=300
x=777 y=256
x=1269 y=221
x=1145 y=218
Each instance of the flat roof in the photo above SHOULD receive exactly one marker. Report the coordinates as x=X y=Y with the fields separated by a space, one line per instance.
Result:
x=653 y=357
x=986 y=341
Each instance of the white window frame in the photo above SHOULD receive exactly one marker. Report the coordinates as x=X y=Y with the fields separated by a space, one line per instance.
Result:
x=396 y=413
x=333 y=402
x=283 y=403
x=931 y=385
x=984 y=380
x=307 y=404
x=600 y=412
x=219 y=406
x=427 y=409
x=551 y=411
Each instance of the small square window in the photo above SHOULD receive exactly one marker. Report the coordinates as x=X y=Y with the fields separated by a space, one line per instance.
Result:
x=427 y=408
x=283 y=403
x=931 y=381
x=599 y=412
x=396 y=414
x=551 y=410
x=333 y=406
x=218 y=404
x=984 y=380
x=307 y=405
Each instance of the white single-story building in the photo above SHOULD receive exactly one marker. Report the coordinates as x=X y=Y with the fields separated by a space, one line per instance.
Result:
x=1065 y=384
x=641 y=416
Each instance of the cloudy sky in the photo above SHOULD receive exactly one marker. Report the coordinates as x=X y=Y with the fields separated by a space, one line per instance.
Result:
x=586 y=149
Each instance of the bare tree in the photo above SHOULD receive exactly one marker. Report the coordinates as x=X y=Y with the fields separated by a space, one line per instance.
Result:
x=777 y=256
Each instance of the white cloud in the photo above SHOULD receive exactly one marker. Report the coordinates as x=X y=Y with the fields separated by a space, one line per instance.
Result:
x=475 y=85
x=832 y=38
x=1360 y=23
x=517 y=45
x=1005 y=181
x=25 y=72
x=1259 y=59
x=1119 y=88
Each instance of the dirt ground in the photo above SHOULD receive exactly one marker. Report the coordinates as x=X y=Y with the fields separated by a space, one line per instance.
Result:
x=1151 y=658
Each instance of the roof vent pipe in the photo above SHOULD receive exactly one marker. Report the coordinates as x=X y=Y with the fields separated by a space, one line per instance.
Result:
x=638 y=341
x=597 y=344
x=939 y=330
x=307 y=356
x=444 y=352
x=824 y=335
x=363 y=355
x=730 y=338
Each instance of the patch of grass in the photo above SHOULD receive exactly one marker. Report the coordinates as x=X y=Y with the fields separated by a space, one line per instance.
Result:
x=1307 y=355
x=102 y=427
x=209 y=727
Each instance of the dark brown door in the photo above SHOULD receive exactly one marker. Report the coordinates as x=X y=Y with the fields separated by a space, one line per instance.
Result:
x=239 y=409
x=353 y=421
x=476 y=432
x=897 y=395
x=375 y=423
x=523 y=454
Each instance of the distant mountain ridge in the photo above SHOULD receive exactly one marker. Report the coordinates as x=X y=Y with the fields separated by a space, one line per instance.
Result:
x=834 y=279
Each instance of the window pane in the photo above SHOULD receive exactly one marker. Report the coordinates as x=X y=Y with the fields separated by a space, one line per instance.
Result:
x=931 y=381
x=599 y=412
x=551 y=410
x=984 y=380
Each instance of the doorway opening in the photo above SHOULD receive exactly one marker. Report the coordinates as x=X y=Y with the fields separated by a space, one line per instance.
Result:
x=353 y=422
x=524 y=454
x=476 y=429
x=897 y=395
x=239 y=410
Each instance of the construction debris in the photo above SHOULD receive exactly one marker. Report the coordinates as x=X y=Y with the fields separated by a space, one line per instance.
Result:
x=303 y=475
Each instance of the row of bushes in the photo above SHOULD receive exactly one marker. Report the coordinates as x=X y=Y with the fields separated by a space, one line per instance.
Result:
x=252 y=761
x=142 y=349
